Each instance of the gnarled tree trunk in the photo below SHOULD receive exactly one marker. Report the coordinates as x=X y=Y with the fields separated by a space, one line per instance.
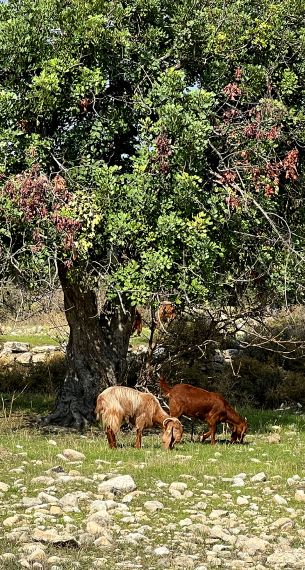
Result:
x=96 y=352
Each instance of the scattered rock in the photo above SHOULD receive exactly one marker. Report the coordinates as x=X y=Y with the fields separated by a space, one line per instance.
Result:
x=300 y=495
x=73 y=455
x=116 y=485
x=153 y=506
x=287 y=559
x=51 y=536
x=279 y=500
x=259 y=477
x=283 y=523
x=274 y=438
x=14 y=346
x=161 y=551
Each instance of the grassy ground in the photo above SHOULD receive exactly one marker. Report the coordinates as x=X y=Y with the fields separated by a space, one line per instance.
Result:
x=26 y=448
x=32 y=339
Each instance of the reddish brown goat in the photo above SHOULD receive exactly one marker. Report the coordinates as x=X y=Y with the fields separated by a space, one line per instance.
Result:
x=209 y=407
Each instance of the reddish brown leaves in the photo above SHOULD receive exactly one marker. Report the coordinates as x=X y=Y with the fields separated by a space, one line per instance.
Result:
x=41 y=201
x=232 y=91
x=233 y=201
x=290 y=164
x=164 y=151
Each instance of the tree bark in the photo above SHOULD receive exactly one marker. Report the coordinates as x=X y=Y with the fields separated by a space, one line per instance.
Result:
x=96 y=352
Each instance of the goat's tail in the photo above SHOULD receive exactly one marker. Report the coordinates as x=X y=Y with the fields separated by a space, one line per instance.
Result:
x=164 y=386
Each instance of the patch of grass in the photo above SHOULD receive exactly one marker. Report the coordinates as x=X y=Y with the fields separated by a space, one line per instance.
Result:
x=32 y=339
x=136 y=340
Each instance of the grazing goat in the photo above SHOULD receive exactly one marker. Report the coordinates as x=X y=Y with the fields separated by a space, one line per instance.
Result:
x=209 y=407
x=119 y=403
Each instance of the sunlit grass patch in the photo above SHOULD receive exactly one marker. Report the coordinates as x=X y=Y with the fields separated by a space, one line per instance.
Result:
x=32 y=339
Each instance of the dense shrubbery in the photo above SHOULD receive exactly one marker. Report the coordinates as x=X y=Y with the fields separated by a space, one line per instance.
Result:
x=264 y=373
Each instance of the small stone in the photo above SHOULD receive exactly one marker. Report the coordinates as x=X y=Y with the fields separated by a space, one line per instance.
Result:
x=161 y=551
x=238 y=482
x=218 y=532
x=251 y=544
x=259 y=477
x=14 y=346
x=55 y=510
x=283 y=523
x=186 y=522
x=279 y=500
x=274 y=438
x=103 y=541
x=31 y=501
x=7 y=556
x=178 y=486
x=47 y=498
x=287 y=559
x=183 y=562
x=24 y=563
x=293 y=480
x=69 y=502
x=299 y=495
x=4 y=487
x=73 y=455
x=120 y=484
x=218 y=514
x=38 y=555
x=42 y=480
x=53 y=537
x=54 y=560
x=242 y=500
x=134 y=538
x=11 y=521
x=153 y=506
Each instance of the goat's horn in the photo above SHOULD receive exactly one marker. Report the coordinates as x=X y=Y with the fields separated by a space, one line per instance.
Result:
x=166 y=421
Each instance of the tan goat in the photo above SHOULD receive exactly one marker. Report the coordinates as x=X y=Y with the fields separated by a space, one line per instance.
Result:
x=119 y=403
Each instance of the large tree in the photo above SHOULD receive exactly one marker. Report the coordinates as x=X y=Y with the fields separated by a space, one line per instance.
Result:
x=150 y=149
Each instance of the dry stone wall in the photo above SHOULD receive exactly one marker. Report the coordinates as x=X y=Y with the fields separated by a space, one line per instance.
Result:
x=20 y=352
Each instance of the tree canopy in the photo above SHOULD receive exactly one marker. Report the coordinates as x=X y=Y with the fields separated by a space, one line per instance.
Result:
x=154 y=148
x=156 y=144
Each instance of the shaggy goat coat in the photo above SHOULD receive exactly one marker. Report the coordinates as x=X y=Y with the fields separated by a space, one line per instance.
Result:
x=119 y=404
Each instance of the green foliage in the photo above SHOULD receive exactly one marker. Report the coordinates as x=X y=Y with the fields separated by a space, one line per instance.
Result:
x=165 y=141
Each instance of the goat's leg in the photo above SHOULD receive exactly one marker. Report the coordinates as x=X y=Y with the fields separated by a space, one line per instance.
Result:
x=233 y=437
x=213 y=433
x=138 y=443
x=204 y=436
x=140 y=424
x=111 y=437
